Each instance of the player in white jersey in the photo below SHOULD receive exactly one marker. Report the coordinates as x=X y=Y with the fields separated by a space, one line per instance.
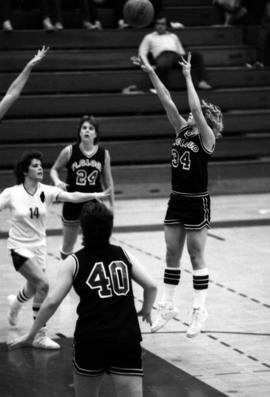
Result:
x=28 y=202
x=16 y=87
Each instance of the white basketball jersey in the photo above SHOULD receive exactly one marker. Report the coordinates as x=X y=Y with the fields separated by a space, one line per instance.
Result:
x=28 y=214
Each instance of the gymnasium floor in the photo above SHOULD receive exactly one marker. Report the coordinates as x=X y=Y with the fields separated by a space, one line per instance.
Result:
x=231 y=357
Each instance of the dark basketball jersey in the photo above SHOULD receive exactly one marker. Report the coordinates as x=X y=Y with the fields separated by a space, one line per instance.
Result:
x=103 y=283
x=189 y=163
x=84 y=172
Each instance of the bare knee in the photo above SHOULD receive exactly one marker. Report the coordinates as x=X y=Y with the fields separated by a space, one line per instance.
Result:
x=42 y=286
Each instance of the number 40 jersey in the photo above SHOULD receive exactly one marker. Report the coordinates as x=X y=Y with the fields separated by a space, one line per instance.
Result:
x=103 y=282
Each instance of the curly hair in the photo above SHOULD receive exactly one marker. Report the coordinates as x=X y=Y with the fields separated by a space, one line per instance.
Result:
x=213 y=116
x=91 y=120
x=96 y=221
x=22 y=166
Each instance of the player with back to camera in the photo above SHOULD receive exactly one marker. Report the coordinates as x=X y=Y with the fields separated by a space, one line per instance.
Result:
x=28 y=203
x=107 y=335
x=188 y=213
x=88 y=167
x=16 y=87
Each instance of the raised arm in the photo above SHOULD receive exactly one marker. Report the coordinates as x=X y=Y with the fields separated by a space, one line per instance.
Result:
x=108 y=179
x=59 y=164
x=207 y=134
x=16 y=87
x=176 y=120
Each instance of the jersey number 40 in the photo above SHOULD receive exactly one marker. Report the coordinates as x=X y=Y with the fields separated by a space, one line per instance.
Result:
x=116 y=282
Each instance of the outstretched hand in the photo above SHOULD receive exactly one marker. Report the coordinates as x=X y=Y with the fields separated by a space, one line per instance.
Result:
x=137 y=61
x=186 y=65
x=39 y=56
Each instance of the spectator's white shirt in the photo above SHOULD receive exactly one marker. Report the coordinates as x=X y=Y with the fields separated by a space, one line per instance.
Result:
x=157 y=43
x=28 y=214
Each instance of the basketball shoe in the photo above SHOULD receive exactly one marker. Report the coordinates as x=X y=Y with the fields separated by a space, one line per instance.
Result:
x=14 y=308
x=199 y=316
x=166 y=312
x=42 y=341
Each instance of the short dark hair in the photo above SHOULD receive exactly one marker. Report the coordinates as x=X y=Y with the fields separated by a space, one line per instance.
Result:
x=96 y=221
x=92 y=120
x=22 y=166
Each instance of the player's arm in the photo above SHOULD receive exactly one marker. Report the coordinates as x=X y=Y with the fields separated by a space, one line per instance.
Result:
x=207 y=135
x=176 y=120
x=16 y=87
x=149 y=286
x=107 y=178
x=79 y=197
x=5 y=199
x=59 y=164
x=55 y=297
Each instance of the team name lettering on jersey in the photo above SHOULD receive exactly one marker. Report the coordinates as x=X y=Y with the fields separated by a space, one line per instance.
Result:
x=86 y=163
x=190 y=145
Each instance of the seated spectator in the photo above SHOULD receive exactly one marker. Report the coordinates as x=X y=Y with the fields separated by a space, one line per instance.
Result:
x=88 y=9
x=5 y=13
x=51 y=14
x=263 y=41
x=164 y=49
x=231 y=12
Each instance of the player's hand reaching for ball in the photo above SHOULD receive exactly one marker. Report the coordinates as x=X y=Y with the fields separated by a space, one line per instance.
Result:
x=186 y=65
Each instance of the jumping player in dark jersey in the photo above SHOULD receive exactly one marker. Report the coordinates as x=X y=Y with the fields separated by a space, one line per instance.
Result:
x=188 y=214
x=16 y=87
x=88 y=170
x=107 y=335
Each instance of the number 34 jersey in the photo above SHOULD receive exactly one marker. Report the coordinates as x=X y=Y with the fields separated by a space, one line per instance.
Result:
x=28 y=214
x=189 y=163
x=103 y=282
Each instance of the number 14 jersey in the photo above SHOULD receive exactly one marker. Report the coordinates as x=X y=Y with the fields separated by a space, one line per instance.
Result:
x=28 y=214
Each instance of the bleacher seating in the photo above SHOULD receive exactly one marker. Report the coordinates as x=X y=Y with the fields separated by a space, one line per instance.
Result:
x=86 y=71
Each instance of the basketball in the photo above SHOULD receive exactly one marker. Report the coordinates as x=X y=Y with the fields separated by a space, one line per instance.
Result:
x=138 y=13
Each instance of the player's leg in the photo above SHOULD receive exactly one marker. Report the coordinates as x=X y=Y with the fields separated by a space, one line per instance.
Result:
x=125 y=357
x=86 y=386
x=20 y=259
x=126 y=385
x=70 y=218
x=196 y=241
x=175 y=236
x=70 y=234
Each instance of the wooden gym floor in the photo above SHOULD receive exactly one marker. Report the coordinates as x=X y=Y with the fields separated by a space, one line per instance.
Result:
x=230 y=358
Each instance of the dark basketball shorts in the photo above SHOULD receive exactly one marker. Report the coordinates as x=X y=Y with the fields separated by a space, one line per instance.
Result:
x=21 y=255
x=71 y=213
x=121 y=357
x=193 y=212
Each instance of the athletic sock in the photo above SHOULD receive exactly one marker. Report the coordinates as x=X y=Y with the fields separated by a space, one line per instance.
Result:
x=171 y=280
x=200 y=287
x=22 y=297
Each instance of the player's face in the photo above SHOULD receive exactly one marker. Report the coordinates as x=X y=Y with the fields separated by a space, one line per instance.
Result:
x=88 y=132
x=35 y=170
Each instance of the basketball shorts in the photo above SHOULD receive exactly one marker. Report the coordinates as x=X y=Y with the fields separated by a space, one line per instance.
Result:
x=193 y=212
x=71 y=213
x=21 y=255
x=121 y=357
